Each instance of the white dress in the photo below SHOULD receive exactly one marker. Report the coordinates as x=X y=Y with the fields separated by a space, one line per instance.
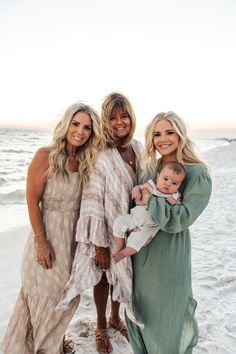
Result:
x=35 y=326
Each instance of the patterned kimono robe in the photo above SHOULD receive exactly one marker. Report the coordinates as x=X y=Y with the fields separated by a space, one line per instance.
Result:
x=107 y=195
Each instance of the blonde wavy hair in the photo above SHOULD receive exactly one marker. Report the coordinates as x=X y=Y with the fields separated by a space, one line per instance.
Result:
x=112 y=103
x=86 y=155
x=185 y=154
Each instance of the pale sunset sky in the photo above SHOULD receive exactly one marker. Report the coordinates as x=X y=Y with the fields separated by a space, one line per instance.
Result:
x=164 y=55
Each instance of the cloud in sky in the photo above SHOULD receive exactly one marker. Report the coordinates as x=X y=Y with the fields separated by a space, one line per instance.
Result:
x=164 y=55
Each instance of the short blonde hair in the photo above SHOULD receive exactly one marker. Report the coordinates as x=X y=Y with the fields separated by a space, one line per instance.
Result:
x=185 y=154
x=86 y=155
x=112 y=103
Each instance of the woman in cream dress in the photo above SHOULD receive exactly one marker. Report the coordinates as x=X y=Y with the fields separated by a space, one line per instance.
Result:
x=55 y=178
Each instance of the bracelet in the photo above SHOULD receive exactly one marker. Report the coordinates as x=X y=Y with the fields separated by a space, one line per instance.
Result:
x=39 y=233
x=100 y=248
x=42 y=247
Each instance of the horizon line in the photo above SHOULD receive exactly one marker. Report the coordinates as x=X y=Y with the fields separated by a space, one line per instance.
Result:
x=48 y=127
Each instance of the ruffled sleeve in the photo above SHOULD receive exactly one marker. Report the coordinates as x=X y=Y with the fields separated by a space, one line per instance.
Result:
x=91 y=227
x=174 y=219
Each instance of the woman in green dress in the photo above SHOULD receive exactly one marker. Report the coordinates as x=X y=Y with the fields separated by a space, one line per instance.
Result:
x=162 y=289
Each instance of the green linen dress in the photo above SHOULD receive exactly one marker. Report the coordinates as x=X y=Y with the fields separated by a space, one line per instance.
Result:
x=162 y=289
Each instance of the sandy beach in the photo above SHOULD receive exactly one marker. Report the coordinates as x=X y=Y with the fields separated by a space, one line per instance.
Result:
x=213 y=263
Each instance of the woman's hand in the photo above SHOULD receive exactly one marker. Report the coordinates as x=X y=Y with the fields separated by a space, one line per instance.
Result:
x=45 y=255
x=173 y=201
x=102 y=257
x=146 y=186
x=144 y=198
x=136 y=193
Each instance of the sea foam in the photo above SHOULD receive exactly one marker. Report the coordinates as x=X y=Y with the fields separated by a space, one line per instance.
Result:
x=14 y=197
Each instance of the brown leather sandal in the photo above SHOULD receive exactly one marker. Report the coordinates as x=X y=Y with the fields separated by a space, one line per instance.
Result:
x=103 y=344
x=121 y=327
x=68 y=345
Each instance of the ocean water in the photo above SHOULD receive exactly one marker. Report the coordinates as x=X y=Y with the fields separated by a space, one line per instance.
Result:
x=17 y=147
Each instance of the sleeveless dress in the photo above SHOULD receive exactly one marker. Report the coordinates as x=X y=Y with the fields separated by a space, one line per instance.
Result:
x=35 y=326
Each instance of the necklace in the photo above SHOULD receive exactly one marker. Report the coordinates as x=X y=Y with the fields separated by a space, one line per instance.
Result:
x=127 y=154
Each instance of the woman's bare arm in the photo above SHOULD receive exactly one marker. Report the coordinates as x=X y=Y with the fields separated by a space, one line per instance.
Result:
x=36 y=182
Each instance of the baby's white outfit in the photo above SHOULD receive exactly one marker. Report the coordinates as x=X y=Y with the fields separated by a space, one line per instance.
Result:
x=139 y=218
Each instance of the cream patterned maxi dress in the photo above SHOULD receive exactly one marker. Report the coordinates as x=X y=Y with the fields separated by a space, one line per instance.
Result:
x=35 y=326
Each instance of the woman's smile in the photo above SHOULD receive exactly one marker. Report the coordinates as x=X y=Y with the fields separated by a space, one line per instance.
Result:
x=121 y=124
x=164 y=138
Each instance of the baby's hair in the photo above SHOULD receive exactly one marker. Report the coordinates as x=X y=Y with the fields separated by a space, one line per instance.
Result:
x=176 y=167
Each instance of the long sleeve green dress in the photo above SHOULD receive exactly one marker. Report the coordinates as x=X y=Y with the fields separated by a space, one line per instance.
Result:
x=162 y=289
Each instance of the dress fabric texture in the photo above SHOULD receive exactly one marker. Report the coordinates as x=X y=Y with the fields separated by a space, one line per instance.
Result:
x=107 y=195
x=35 y=326
x=162 y=290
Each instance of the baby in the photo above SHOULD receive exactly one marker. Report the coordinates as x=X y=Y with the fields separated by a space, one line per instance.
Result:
x=139 y=222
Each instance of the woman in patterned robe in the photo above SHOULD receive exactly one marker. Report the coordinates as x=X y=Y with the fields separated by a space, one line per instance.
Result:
x=55 y=178
x=107 y=195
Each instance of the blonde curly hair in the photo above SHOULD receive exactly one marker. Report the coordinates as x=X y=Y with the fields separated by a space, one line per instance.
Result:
x=185 y=154
x=86 y=155
x=112 y=103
